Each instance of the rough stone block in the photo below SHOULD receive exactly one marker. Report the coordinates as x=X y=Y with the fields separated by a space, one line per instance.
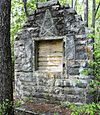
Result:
x=71 y=11
x=27 y=77
x=73 y=71
x=70 y=47
x=81 y=55
x=47 y=4
x=81 y=85
x=75 y=99
x=58 y=82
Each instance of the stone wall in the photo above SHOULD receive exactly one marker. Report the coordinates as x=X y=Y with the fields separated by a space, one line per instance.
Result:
x=48 y=22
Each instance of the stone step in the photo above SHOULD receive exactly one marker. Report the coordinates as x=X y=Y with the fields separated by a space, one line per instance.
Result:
x=22 y=111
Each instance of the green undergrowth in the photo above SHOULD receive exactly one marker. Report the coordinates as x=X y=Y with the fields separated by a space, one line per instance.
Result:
x=5 y=107
x=86 y=109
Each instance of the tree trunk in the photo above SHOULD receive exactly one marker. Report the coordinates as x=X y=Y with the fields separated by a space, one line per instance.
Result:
x=86 y=12
x=25 y=7
x=75 y=2
x=6 y=89
x=72 y=3
x=93 y=25
x=93 y=14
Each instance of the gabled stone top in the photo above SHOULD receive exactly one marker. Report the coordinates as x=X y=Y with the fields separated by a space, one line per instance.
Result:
x=57 y=19
x=52 y=5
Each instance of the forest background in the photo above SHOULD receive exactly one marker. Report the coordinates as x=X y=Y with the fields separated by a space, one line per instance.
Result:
x=90 y=12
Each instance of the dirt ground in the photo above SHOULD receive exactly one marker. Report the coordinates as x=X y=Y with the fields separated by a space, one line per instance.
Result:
x=47 y=109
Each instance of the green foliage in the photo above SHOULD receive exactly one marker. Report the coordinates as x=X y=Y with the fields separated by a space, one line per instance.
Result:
x=17 y=103
x=17 y=16
x=62 y=2
x=4 y=106
x=88 y=109
x=67 y=104
x=17 y=20
x=55 y=113
x=95 y=64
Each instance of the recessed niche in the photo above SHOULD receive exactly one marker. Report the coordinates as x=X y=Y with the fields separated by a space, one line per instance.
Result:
x=49 y=55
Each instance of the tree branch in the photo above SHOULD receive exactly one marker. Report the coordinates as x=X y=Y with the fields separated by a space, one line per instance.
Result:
x=74 y=4
x=97 y=17
x=97 y=9
x=25 y=7
x=86 y=12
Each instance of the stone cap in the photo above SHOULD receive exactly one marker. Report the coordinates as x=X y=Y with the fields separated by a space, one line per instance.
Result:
x=47 y=4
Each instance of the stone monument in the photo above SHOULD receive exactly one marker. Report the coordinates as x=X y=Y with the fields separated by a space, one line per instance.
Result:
x=51 y=54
